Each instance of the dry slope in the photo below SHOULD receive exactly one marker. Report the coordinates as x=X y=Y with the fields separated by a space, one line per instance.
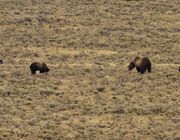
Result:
x=88 y=93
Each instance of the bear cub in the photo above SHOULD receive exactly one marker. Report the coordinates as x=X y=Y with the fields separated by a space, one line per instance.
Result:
x=41 y=67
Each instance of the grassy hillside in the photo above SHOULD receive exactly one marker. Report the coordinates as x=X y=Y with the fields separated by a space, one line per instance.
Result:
x=88 y=92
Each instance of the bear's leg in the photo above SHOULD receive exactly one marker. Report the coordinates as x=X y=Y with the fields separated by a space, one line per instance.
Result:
x=149 y=68
x=143 y=71
x=138 y=69
x=33 y=72
x=41 y=71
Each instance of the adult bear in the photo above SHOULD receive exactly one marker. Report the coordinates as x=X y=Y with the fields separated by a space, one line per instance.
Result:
x=41 y=67
x=141 y=64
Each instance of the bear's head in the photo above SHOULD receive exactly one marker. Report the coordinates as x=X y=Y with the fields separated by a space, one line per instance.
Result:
x=45 y=68
x=131 y=66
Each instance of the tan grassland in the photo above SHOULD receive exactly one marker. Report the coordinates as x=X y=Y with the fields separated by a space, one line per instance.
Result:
x=88 y=93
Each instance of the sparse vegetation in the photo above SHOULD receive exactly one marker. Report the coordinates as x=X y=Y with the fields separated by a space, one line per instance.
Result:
x=88 y=92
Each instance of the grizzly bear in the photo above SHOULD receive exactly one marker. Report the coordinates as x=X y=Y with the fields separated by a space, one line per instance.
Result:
x=41 y=67
x=141 y=64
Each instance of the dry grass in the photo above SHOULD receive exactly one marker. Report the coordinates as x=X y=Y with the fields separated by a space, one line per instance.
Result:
x=88 y=93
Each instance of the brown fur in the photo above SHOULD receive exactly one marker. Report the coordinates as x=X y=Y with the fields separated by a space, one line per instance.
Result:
x=36 y=66
x=141 y=64
x=1 y=61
